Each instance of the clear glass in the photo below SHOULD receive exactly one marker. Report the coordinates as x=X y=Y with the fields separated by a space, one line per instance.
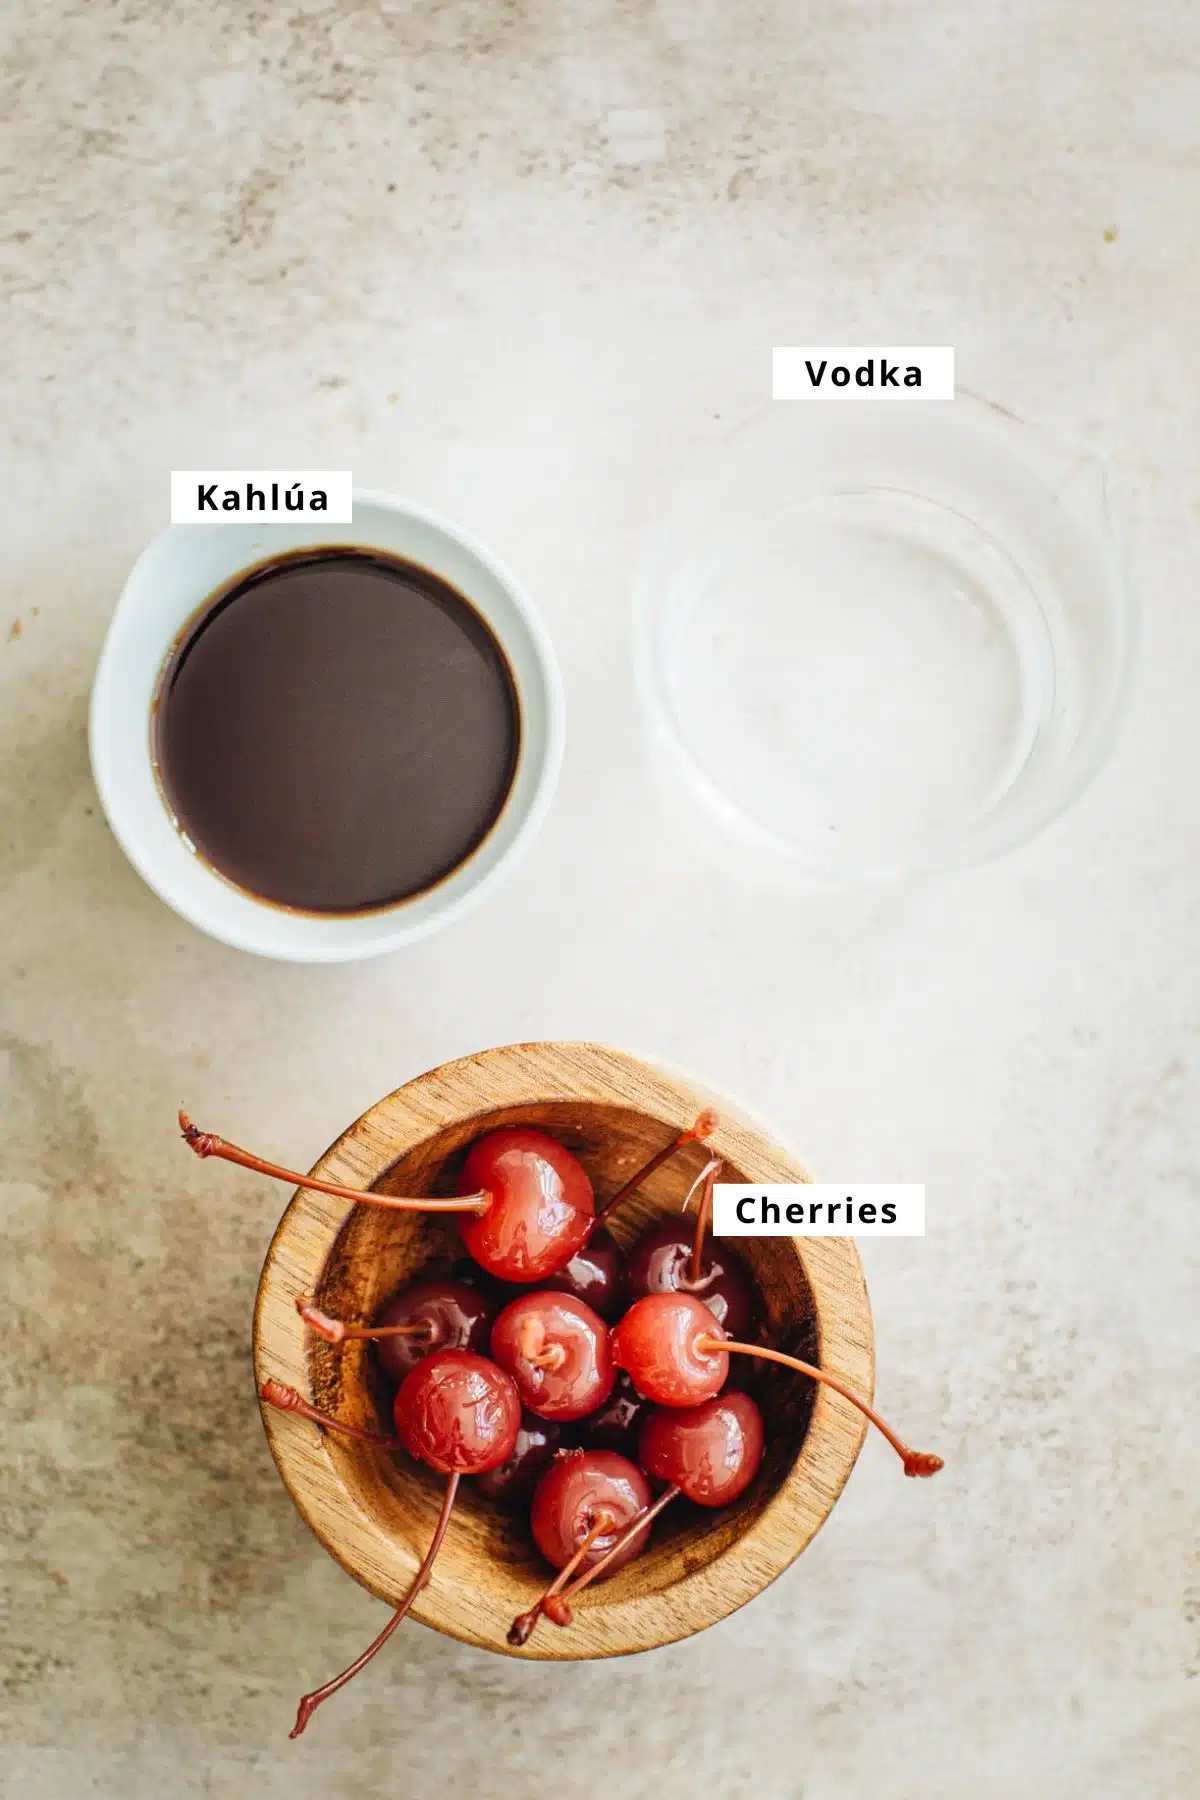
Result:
x=875 y=639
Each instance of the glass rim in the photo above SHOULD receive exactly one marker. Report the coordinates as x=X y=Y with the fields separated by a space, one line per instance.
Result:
x=994 y=831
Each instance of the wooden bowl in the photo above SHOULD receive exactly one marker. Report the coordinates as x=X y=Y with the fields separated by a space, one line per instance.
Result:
x=375 y=1512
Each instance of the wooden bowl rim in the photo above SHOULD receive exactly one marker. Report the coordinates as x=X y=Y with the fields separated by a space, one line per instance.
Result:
x=515 y=1075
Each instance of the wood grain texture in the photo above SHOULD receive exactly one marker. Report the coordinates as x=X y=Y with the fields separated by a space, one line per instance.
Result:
x=375 y=1512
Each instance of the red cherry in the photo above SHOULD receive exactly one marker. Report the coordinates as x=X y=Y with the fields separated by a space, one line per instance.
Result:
x=583 y=1488
x=448 y=1316
x=658 y=1343
x=595 y=1275
x=468 y=1271
x=710 y=1452
x=661 y=1262
x=526 y=1203
x=586 y=1516
x=542 y=1206
x=678 y=1355
x=423 y=1317
x=513 y=1482
x=556 y=1349
x=677 y=1259
x=616 y=1424
x=458 y=1412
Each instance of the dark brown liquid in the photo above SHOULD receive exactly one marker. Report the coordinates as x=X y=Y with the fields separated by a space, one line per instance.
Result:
x=338 y=731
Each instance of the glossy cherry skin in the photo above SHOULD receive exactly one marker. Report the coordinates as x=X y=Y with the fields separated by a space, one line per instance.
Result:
x=557 y=1351
x=712 y=1451
x=459 y=1318
x=542 y=1206
x=458 y=1413
x=470 y=1273
x=661 y=1262
x=595 y=1275
x=616 y=1424
x=579 y=1485
x=657 y=1343
x=513 y=1482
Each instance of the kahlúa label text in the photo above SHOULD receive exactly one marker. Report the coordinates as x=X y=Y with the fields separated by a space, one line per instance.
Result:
x=269 y=496
x=835 y=371
x=811 y=1209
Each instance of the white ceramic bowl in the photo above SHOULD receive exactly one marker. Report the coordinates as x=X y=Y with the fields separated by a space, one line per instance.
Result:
x=169 y=584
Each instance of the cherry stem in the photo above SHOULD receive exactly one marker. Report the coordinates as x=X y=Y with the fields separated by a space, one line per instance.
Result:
x=702 y=1127
x=534 y=1348
x=704 y=1181
x=336 y=1331
x=916 y=1462
x=522 y=1627
x=310 y=1702
x=561 y=1614
x=206 y=1143
x=285 y=1399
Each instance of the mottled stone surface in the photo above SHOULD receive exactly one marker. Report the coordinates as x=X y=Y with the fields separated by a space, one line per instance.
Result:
x=518 y=258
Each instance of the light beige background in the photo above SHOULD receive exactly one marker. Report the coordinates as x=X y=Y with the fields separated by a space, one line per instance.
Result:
x=517 y=259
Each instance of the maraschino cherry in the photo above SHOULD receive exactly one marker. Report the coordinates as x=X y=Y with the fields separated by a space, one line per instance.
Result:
x=673 y=1259
x=657 y=1343
x=709 y=1454
x=543 y=1206
x=556 y=1349
x=511 y=1485
x=458 y=1413
x=615 y=1425
x=543 y=1213
x=581 y=1506
x=678 y=1355
x=595 y=1275
x=526 y=1203
x=455 y=1411
x=423 y=1317
x=579 y=1487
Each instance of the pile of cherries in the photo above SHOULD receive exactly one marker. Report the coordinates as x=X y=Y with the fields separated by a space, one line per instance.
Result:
x=555 y=1371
